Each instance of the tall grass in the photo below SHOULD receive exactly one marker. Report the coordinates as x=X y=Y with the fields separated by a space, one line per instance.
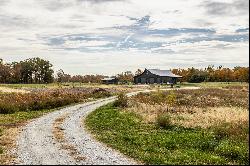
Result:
x=47 y=99
x=212 y=97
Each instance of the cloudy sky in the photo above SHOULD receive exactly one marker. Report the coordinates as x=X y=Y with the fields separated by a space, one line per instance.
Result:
x=111 y=36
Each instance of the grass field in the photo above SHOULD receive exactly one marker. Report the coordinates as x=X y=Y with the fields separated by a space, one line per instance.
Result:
x=206 y=126
x=141 y=128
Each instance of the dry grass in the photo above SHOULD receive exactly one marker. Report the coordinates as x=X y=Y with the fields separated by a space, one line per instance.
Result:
x=57 y=130
x=205 y=97
x=206 y=118
x=11 y=90
x=197 y=117
x=218 y=109
x=47 y=99
x=59 y=136
x=8 y=142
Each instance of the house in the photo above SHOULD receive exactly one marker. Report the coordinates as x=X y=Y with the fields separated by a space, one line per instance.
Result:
x=111 y=80
x=156 y=76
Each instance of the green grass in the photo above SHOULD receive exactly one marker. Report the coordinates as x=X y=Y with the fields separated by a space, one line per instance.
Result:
x=213 y=84
x=19 y=117
x=150 y=144
x=50 y=85
x=18 y=86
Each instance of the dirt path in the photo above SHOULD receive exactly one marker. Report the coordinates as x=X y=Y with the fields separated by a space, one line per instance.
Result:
x=59 y=138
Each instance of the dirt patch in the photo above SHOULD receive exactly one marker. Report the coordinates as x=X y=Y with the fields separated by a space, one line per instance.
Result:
x=59 y=136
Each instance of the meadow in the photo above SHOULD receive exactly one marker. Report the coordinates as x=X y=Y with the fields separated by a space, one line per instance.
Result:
x=205 y=126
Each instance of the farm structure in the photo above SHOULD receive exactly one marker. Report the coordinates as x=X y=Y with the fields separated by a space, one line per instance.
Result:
x=156 y=76
x=111 y=80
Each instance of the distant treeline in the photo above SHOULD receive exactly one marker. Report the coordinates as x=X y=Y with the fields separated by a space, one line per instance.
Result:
x=212 y=74
x=37 y=70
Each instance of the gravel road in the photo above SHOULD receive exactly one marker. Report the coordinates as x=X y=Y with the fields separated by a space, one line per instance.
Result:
x=38 y=145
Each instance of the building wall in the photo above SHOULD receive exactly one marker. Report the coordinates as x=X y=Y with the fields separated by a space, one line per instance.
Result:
x=148 y=78
x=115 y=81
x=153 y=80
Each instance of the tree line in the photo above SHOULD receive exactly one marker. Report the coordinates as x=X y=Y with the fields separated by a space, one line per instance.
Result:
x=37 y=70
x=213 y=74
x=33 y=70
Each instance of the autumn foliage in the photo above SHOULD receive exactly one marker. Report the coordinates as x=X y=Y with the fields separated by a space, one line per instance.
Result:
x=212 y=74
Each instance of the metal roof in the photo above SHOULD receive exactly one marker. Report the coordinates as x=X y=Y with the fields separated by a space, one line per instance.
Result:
x=166 y=73
x=108 y=79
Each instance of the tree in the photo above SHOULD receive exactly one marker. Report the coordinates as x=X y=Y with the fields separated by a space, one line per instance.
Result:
x=36 y=70
x=126 y=77
x=62 y=77
x=138 y=72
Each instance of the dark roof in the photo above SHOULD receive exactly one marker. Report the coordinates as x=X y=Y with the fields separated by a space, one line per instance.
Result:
x=166 y=73
x=108 y=79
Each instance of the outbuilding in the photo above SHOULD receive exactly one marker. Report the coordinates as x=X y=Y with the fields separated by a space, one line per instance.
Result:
x=156 y=76
x=111 y=80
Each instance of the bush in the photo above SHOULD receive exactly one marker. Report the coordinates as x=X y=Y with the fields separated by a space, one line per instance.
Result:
x=122 y=101
x=100 y=92
x=7 y=108
x=164 y=121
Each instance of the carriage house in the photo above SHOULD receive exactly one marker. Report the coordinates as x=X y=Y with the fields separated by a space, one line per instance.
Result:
x=156 y=76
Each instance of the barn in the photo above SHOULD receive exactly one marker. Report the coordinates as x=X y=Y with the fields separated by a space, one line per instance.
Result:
x=156 y=76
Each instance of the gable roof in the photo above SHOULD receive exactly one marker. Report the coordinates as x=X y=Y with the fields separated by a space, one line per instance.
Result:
x=163 y=73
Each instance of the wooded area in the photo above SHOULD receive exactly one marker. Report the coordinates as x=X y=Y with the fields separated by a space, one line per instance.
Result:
x=212 y=74
x=37 y=70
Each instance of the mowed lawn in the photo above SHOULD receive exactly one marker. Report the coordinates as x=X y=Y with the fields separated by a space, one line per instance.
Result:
x=206 y=126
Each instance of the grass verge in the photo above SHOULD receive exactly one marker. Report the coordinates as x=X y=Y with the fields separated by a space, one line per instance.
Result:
x=151 y=144
x=9 y=128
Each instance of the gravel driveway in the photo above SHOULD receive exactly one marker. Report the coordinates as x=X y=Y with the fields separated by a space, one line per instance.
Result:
x=37 y=144
x=73 y=145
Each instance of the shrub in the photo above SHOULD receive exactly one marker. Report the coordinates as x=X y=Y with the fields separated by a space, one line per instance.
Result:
x=164 y=121
x=7 y=108
x=122 y=101
x=100 y=92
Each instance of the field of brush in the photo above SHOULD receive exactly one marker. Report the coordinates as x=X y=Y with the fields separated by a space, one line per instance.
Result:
x=205 y=126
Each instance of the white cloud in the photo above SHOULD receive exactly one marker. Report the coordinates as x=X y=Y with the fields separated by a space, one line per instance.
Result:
x=28 y=27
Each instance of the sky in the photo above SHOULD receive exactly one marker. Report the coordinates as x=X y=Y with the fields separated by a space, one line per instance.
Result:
x=112 y=36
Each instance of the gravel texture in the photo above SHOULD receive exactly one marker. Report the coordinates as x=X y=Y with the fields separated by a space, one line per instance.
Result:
x=36 y=144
